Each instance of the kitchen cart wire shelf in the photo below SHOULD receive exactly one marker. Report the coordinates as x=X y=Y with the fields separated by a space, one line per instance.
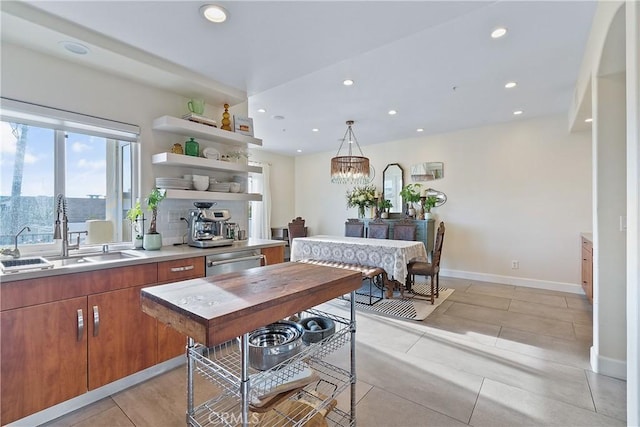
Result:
x=222 y=364
x=320 y=395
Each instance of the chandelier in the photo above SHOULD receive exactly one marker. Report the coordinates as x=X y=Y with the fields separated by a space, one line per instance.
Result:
x=350 y=169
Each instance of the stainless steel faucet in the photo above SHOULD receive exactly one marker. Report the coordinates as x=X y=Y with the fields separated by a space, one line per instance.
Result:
x=61 y=210
x=15 y=252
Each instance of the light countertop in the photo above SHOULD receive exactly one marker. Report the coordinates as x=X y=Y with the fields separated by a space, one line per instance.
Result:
x=166 y=253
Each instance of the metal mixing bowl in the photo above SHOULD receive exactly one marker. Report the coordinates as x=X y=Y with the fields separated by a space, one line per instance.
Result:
x=274 y=343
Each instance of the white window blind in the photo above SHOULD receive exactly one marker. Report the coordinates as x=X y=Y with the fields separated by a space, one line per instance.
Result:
x=12 y=110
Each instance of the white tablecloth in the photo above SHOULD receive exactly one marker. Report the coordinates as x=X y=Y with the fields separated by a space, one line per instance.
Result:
x=391 y=255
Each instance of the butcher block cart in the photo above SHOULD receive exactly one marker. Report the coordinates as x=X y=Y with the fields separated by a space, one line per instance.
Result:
x=218 y=313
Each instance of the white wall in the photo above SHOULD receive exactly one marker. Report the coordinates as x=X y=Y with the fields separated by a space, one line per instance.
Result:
x=517 y=191
x=34 y=77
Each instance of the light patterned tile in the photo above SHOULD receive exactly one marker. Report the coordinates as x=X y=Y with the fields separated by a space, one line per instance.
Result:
x=474 y=298
x=523 y=322
x=501 y=405
x=496 y=290
x=609 y=395
x=550 y=312
x=88 y=412
x=578 y=302
x=540 y=297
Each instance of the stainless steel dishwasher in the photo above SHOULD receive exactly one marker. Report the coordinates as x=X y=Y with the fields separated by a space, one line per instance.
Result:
x=230 y=262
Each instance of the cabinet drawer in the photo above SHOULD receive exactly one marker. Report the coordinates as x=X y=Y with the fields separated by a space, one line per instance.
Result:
x=181 y=269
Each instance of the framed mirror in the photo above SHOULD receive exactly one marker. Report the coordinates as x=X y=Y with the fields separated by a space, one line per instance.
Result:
x=392 y=183
x=427 y=171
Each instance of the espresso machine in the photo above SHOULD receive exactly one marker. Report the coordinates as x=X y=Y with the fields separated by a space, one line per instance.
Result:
x=206 y=226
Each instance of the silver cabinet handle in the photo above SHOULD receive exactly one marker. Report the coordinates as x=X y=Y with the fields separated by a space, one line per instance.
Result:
x=80 y=325
x=185 y=268
x=96 y=321
x=232 y=260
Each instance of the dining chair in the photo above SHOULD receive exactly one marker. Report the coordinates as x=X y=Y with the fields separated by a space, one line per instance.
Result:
x=297 y=229
x=422 y=267
x=354 y=228
x=404 y=230
x=378 y=229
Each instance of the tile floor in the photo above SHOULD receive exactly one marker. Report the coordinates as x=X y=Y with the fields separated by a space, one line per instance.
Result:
x=490 y=355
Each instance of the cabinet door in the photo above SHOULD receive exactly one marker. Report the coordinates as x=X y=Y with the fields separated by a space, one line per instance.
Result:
x=122 y=339
x=273 y=255
x=170 y=342
x=43 y=357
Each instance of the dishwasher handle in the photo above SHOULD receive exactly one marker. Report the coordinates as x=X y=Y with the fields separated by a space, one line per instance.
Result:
x=232 y=260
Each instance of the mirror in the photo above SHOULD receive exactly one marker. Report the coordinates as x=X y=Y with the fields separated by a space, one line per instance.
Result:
x=427 y=171
x=392 y=183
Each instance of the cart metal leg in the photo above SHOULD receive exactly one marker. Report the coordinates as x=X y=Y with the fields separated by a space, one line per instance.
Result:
x=353 y=358
x=190 y=345
x=244 y=385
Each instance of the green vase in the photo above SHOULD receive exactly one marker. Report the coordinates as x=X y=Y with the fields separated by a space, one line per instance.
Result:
x=361 y=212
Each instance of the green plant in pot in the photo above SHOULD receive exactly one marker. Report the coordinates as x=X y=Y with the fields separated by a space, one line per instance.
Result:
x=153 y=240
x=384 y=206
x=429 y=202
x=410 y=193
x=134 y=215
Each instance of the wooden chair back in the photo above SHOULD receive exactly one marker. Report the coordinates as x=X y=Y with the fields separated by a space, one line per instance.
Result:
x=378 y=229
x=437 y=250
x=354 y=228
x=297 y=229
x=404 y=230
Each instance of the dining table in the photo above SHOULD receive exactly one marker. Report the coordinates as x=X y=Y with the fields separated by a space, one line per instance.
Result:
x=390 y=255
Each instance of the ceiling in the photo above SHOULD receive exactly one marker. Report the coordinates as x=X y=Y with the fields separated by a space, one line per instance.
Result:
x=433 y=62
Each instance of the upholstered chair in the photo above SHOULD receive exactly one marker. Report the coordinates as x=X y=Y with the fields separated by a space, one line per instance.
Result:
x=378 y=229
x=404 y=230
x=354 y=228
x=422 y=267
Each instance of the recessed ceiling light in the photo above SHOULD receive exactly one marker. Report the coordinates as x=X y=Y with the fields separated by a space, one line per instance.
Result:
x=347 y=82
x=419 y=130
x=214 y=13
x=277 y=117
x=315 y=130
x=498 y=32
x=517 y=112
x=261 y=110
x=299 y=150
x=589 y=120
x=75 y=47
x=392 y=112
x=510 y=85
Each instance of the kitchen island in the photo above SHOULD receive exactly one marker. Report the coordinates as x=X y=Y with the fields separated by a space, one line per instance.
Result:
x=214 y=311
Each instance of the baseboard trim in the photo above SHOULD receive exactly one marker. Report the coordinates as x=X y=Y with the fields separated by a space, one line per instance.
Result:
x=607 y=366
x=93 y=396
x=515 y=281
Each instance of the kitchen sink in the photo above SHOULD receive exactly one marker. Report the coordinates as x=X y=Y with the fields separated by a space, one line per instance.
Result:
x=112 y=256
x=59 y=261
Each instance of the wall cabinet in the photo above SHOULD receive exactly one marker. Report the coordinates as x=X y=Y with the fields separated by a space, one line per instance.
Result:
x=587 y=268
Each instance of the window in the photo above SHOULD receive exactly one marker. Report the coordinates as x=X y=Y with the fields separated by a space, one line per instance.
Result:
x=45 y=152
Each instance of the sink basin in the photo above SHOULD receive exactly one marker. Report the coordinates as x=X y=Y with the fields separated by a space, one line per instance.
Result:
x=112 y=256
x=22 y=264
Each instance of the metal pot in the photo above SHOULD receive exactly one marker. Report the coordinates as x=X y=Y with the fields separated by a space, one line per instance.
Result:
x=274 y=343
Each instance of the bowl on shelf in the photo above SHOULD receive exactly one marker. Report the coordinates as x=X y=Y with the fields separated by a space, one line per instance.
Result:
x=200 y=182
x=317 y=328
x=274 y=343
x=234 y=187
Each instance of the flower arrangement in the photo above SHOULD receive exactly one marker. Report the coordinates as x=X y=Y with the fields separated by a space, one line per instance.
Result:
x=361 y=197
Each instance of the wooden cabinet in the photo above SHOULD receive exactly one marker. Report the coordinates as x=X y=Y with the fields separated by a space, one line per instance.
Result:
x=43 y=350
x=273 y=254
x=171 y=343
x=48 y=355
x=122 y=339
x=587 y=268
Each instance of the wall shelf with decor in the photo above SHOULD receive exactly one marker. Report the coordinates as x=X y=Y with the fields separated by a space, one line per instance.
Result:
x=170 y=159
x=212 y=195
x=196 y=130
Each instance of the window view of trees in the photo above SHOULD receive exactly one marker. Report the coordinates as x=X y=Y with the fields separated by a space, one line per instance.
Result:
x=94 y=173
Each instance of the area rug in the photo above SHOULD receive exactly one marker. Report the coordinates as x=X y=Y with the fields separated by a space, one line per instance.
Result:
x=410 y=307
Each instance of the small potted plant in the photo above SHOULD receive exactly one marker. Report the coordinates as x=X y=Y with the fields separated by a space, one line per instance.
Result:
x=410 y=193
x=153 y=240
x=384 y=206
x=429 y=202
x=134 y=215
